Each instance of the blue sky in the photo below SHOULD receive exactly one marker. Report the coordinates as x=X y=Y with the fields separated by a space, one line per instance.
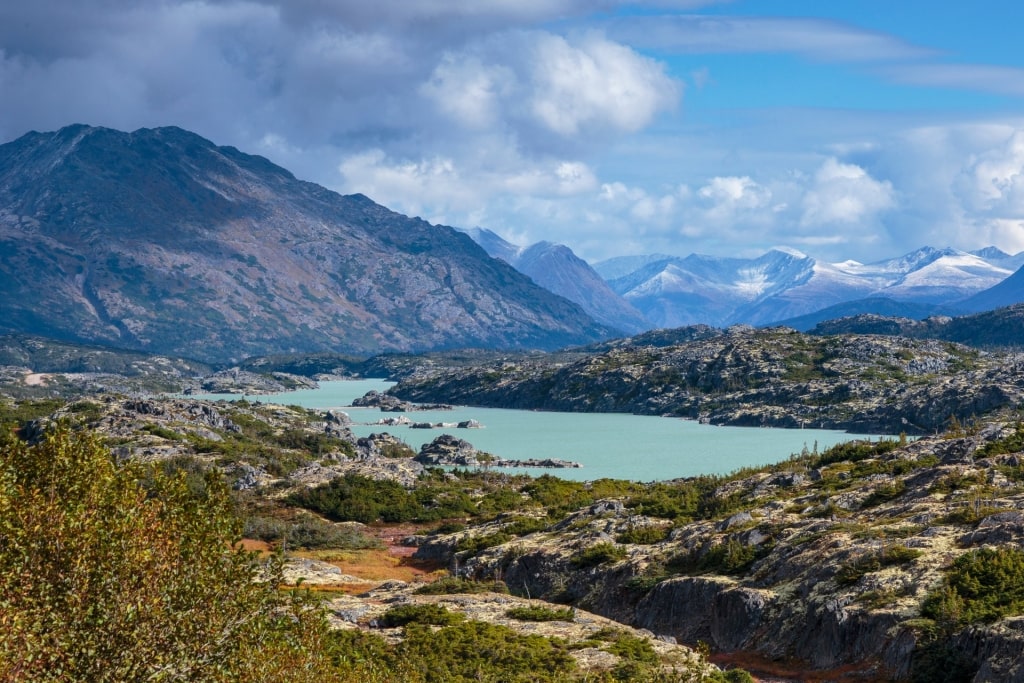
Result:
x=846 y=129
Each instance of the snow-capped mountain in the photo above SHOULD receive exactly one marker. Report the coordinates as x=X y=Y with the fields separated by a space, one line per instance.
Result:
x=783 y=284
x=556 y=268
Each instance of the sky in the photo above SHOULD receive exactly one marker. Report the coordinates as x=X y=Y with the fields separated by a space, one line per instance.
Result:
x=846 y=129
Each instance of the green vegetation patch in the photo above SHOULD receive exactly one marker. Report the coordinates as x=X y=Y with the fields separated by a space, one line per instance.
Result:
x=890 y=555
x=599 y=553
x=540 y=613
x=453 y=585
x=434 y=615
x=982 y=586
x=476 y=651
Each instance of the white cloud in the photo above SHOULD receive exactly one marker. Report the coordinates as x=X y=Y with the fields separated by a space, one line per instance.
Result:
x=596 y=83
x=845 y=194
x=469 y=91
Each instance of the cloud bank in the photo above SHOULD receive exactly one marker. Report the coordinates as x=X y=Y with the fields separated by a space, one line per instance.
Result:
x=542 y=119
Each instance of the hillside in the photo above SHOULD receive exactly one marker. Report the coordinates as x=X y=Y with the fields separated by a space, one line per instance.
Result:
x=745 y=377
x=158 y=240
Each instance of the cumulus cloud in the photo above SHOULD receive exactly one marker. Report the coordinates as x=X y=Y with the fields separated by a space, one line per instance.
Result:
x=845 y=194
x=545 y=119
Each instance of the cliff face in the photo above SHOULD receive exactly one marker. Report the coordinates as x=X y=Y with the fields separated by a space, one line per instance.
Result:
x=160 y=240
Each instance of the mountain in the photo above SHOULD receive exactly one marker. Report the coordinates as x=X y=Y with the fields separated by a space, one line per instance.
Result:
x=1008 y=292
x=782 y=285
x=998 y=328
x=872 y=306
x=159 y=240
x=556 y=268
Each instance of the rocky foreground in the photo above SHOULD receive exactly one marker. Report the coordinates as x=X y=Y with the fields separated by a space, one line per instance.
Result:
x=841 y=560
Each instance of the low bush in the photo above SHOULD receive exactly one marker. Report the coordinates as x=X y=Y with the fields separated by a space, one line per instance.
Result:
x=643 y=535
x=982 y=586
x=599 y=553
x=891 y=555
x=476 y=651
x=475 y=544
x=434 y=615
x=452 y=585
x=540 y=613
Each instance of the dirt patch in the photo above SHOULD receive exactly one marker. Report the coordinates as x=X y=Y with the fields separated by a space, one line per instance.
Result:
x=766 y=670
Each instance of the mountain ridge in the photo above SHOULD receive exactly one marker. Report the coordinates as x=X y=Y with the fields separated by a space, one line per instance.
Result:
x=159 y=240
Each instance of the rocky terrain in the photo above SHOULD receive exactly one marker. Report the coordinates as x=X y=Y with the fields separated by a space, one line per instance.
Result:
x=158 y=240
x=745 y=377
x=1001 y=328
x=827 y=559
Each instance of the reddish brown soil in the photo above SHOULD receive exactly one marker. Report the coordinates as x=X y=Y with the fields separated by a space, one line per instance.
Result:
x=767 y=670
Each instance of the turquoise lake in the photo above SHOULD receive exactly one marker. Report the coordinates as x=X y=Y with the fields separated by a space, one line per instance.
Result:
x=637 y=447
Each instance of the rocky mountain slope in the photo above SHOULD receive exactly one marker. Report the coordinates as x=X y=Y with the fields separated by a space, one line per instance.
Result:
x=1002 y=327
x=556 y=268
x=782 y=284
x=1008 y=292
x=160 y=240
x=746 y=377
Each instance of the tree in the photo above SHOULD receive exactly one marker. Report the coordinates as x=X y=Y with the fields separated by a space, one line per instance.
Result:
x=114 y=572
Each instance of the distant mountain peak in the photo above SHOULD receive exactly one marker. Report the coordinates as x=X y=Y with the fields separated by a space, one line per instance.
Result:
x=556 y=268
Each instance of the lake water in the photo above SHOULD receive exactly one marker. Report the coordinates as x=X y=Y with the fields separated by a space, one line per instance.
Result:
x=637 y=447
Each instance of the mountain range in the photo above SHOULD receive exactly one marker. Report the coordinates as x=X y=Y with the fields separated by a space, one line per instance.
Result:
x=788 y=287
x=159 y=240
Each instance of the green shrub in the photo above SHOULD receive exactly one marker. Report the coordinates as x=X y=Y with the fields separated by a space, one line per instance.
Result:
x=885 y=493
x=521 y=526
x=451 y=585
x=540 y=613
x=360 y=499
x=474 y=544
x=476 y=651
x=599 y=553
x=730 y=558
x=162 y=432
x=435 y=615
x=307 y=532
x=633 y=648
x=982 y=586
x=1013 y=443
x=106 y=580
x=888 y=556
x=643 y=535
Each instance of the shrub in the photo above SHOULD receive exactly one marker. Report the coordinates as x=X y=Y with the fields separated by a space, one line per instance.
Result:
x=451 y=585
x=885 y=493
x=888 y=556
x=642 y=535
x=474 y=544
x=982 y=586
x=105 y=580
x=730 y=558
x=599 y=553
x=476 y=651
x=307 y=532
x=435 y=615
x=540 y=613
